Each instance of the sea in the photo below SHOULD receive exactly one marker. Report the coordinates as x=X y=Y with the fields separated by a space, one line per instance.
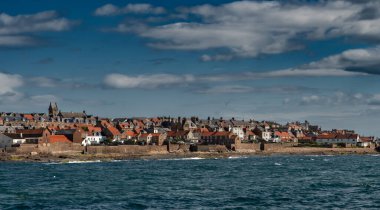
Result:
x=259 y=182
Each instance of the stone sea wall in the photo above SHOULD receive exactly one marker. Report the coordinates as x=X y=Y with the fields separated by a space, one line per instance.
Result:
x=278 y=148
x=128 y=149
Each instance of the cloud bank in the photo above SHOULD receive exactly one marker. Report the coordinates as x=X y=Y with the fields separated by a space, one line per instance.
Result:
x=112 y=10
x=250 y=28
x=20 y=30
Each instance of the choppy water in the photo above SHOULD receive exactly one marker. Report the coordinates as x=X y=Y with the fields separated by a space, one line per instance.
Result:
x=285 y=182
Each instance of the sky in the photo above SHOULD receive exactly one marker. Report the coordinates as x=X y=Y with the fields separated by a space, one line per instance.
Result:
x=264 y=60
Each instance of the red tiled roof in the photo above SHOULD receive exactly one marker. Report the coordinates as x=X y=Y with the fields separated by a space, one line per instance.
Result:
x=28 y=117
x=130 y=133
x=143 y=135
x=337 y=136
x=204 y=130
x=113 y=130
x=58 y=139
x=207 y=133
x=221 y=133
x=177 y=133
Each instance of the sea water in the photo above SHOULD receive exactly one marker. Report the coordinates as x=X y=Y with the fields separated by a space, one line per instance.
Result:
x=274 y=182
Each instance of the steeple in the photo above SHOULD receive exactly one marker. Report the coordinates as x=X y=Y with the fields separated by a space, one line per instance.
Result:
x=53 y=109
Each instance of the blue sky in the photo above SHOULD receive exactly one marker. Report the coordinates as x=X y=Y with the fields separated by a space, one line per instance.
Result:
x=267 y=60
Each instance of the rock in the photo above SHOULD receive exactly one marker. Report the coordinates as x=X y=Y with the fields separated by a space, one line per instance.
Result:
x=33 y=153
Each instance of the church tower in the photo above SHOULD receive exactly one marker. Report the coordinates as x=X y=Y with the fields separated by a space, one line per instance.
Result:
x=53 y=110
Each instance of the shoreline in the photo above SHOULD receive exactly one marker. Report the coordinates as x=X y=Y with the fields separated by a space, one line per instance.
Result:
x=63 y=158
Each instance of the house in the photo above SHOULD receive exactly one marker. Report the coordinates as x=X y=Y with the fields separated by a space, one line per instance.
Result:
x=263 y=133
x=284 y=136
x=34 y=136
x=218 y=138
x=337 y=138
x=53 y=139
x=188 y=125
x=74 y=135
x=306 y=140
x=178 y=135
x=251 y=136
x=238 y=131
x=128 y=135
x=9 y=139
x=365 y=141
x=111 y=132
x=191 y=136
x=152 y=138
x=28 y=117
x=93 y=139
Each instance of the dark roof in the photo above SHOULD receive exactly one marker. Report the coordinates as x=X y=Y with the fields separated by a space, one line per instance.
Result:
x=65 y=132
x=13 y=135
x=72 y=114
x=30 y=133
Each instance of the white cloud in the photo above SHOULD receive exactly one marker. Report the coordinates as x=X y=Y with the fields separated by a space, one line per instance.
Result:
x=222 y=89
x=15 y=30
x=43 y=82
x=111 y=10
x=42 y=99
x=146 y=81
x=309 y=73
x=8 y=85
x=249 y=28
x=226 y=89
x=206 y=58
x=340 y=98
x=374 y=100
x=356 y=60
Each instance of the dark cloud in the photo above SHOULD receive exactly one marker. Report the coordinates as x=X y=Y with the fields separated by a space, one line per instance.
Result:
x=370 y=69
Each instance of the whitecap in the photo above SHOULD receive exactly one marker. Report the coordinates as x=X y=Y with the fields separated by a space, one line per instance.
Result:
x=84 y=161
x=191 y=158
x=278 y=164
x=236 y=157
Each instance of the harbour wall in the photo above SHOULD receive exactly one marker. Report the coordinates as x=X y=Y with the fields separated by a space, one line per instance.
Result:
x=127 y=149
x=274 y=148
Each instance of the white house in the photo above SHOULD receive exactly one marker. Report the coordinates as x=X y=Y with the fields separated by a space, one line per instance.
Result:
x=338 y=139
x=266 y=135
x=94 y=139
x=238 y=131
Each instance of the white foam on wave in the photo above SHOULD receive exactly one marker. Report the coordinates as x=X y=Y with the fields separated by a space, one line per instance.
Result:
x=191 y=158
x=52 y=163
x=237 y=157
x=277 y=164
x=84 y=161
x=319 y=155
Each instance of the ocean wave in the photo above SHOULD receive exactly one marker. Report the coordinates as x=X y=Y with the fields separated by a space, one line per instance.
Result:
x=83 y=161
x=237 y=157
x=277 y=164
x=191 y=158
x=319 y=155
x=52 y=163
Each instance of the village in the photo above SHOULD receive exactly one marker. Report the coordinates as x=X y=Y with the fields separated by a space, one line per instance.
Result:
x=58 y=132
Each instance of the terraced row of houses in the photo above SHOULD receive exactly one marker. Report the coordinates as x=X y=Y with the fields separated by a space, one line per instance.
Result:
x=81 y=128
